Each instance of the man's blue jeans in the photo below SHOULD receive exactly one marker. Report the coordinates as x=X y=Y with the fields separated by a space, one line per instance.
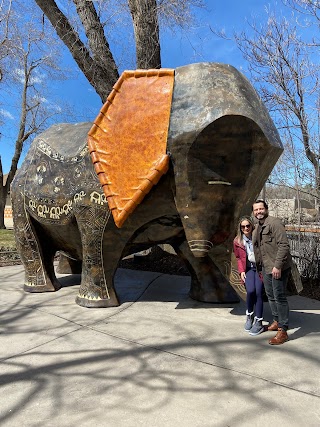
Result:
x=277 y=296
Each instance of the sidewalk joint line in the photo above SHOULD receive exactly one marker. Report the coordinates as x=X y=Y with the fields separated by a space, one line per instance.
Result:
x=209 y=364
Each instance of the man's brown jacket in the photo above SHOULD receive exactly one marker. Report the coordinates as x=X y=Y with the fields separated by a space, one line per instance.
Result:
x=271 y=245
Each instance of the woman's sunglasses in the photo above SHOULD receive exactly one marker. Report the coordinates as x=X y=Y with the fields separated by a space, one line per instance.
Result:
x=245 y=226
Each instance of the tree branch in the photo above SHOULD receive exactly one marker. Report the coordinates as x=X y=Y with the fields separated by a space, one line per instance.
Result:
x=100 y=78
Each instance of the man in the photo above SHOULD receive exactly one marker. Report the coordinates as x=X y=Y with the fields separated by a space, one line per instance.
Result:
x=272 y=253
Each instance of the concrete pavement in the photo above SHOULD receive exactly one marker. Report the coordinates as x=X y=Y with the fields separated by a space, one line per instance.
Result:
x=158 y=360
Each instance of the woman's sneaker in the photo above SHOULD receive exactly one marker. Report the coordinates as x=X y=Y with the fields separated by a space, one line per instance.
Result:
x=249 y=322
x=257 y=327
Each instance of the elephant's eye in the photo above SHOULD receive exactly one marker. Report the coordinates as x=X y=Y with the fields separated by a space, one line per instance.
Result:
x=219 y=182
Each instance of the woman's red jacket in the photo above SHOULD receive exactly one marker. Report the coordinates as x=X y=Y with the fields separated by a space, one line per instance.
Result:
x=241 y=256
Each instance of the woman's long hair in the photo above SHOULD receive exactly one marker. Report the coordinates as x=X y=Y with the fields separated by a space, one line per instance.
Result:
x=239 y=237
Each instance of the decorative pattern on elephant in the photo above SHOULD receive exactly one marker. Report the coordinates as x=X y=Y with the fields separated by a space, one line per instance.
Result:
x=200 y=245
x=45 y=173
x=53 y=154
x=92 y=222
x=28 y=248
x=234 y=278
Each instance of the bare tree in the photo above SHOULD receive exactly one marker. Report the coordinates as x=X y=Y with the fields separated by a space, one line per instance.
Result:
x=5 y=10
x=29 y=66
x=93 y=54
x=280 y=63
x=309 y=8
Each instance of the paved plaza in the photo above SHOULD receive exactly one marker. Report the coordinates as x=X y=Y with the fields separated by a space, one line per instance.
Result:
x=160 y=359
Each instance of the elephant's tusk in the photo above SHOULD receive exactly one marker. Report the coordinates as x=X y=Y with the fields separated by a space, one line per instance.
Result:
x=219 y=182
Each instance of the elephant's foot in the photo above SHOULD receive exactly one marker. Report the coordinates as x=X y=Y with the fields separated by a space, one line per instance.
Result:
x=208 y=284
x=96 y=303
x=48 y=286
x=96 y=298
x=213 y=292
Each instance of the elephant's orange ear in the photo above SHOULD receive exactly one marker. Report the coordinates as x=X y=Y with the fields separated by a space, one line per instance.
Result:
x=128 y=140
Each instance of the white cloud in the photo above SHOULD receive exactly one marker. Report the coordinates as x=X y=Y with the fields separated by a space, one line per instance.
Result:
x=36 y=78
x=41 y=99
x=6 y=114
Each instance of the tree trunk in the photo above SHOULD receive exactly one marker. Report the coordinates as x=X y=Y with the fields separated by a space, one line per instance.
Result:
x=146 y=31
x=98 y=65
x=3 y=198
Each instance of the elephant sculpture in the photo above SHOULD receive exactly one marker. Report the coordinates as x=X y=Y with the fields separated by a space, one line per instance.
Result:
x=219 y=147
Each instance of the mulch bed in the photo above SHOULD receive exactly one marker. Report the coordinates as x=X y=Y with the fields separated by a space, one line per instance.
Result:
x=311 y=289
x=158 y=261
x=8 y=256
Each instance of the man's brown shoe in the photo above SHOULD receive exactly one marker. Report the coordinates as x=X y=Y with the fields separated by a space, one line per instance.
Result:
x=280 y=338
x=273 y=327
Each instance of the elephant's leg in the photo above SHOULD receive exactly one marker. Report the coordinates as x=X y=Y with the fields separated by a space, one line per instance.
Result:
x=96 y=290
x=208 y=284
x=39 y=270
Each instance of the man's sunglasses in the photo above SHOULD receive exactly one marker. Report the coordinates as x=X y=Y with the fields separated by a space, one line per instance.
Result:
x=245 y=226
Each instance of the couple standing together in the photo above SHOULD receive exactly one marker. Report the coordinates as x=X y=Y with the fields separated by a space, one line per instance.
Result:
x=264 y=262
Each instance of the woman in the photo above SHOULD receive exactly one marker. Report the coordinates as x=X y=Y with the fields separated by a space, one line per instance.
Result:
x=243 y=250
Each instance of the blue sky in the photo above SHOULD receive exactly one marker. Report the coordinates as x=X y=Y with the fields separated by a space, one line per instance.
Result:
x=198 y=45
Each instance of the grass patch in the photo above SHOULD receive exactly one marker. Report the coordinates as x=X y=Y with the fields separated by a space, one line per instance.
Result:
x=7 y=239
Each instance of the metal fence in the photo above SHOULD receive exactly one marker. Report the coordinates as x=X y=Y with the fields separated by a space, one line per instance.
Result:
x=305 y=251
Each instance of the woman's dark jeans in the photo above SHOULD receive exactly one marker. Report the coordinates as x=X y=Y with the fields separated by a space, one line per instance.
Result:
x=254 y=288
x=277 y=296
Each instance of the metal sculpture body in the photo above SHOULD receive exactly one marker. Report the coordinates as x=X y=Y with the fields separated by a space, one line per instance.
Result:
x=221 y=146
